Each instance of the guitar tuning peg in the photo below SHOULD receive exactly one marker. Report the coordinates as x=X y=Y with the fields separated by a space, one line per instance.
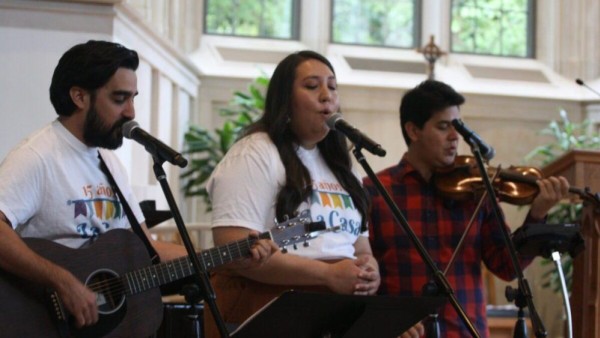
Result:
x=284 y=250
x=295 y=247
x=306 y=244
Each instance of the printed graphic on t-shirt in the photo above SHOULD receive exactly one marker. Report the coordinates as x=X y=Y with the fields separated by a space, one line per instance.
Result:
x=333 y=205
x=94 y=213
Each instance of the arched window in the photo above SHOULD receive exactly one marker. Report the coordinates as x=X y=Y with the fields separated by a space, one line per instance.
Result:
x=493 y=27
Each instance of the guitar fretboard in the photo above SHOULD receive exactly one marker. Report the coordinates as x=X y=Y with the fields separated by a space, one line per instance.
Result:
x=163 y=273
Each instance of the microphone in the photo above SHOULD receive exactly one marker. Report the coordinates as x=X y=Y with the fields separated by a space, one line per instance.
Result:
x=336 y=122
x=581 y=83
x=155 y=147
x=472 y=138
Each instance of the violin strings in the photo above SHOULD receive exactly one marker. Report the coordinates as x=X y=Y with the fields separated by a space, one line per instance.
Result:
x=471 y=221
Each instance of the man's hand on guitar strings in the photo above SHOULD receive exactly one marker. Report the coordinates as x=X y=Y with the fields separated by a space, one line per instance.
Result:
x=78 y=299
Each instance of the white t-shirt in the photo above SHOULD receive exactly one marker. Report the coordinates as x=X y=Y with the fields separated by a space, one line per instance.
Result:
x=244 y=187
x=51 y=187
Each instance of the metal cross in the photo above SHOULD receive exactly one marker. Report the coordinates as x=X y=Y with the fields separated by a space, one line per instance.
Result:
x=432 y=53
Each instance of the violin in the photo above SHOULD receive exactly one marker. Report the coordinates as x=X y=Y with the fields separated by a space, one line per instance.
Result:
x=515 y=185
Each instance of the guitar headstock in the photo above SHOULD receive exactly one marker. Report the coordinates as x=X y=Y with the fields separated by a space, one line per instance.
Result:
x=296 y=230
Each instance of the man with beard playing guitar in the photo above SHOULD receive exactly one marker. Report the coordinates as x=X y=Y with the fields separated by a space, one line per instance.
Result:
x=49 y=183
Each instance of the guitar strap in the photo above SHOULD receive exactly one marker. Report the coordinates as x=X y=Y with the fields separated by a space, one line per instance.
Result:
x=130 y=216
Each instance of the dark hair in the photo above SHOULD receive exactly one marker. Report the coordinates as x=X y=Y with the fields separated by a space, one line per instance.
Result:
x=274 y=121
x=420 y=103
x=88 y=65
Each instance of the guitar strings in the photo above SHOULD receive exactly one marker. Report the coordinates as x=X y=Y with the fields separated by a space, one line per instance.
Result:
x=122 y=284
x=145 y=279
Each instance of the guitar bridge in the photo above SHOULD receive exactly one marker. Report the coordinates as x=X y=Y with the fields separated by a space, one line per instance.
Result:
x=56 y=308
x=57 y=313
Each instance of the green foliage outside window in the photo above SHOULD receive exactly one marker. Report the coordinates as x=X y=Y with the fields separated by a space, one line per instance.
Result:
x=492 y=27
x=374 y=22
x=487 y=27
x=253 y=18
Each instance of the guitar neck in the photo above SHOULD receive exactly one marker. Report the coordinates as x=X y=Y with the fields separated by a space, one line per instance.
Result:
x=167 y=272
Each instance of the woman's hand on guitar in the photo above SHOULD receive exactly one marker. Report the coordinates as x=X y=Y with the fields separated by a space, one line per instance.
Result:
x=78 y=299
x=262 y=249
x=551 y=191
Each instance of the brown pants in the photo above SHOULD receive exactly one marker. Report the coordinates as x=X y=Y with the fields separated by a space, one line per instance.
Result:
x=238 y=298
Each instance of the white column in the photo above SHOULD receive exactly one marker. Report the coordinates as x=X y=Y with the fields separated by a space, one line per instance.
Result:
x=567 y=34
x=315 y=24
x=435 y=20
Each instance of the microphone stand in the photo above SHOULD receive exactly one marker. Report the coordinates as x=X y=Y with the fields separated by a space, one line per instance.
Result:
x=522 y=295
x=441 y=283
x=201 y=275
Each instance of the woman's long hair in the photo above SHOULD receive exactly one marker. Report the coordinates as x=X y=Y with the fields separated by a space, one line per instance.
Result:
x=334 y=149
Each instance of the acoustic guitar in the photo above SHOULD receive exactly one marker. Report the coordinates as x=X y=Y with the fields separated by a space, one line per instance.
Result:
x=118 y=269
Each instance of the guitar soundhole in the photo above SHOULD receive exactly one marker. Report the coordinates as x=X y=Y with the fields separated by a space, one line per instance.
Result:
x=110 y=292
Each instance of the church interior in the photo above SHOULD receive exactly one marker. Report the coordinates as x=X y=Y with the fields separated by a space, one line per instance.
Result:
x=186 y=76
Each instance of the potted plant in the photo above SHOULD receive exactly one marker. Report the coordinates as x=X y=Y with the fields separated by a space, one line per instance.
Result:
x=207 y=148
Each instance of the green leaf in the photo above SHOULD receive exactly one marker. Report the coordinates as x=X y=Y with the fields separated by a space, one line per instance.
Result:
x=207 y=147
x=263 y=81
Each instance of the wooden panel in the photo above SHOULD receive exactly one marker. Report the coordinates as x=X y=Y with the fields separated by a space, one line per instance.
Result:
x=582 y=169
x=501 y=327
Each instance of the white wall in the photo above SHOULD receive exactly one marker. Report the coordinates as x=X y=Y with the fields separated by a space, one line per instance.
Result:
x=29 y=54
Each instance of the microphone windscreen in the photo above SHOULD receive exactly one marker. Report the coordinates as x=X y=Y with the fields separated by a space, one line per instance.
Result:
x=490 y=154
x=332 y=120
x=128 y=127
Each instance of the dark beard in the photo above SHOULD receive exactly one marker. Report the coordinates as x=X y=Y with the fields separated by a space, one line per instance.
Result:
x=96 y=134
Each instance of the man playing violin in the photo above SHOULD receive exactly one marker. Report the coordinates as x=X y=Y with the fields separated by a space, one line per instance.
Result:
x=426 y=113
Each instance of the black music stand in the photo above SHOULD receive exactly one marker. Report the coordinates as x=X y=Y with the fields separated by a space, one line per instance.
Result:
x=154 y=217
x=543 y=239
x=547 y=240
x=299 y=314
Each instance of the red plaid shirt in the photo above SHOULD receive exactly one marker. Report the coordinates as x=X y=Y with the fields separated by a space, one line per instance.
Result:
x=439 y=224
